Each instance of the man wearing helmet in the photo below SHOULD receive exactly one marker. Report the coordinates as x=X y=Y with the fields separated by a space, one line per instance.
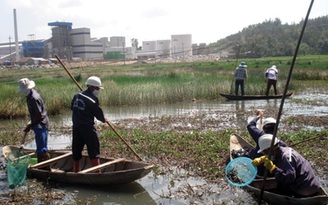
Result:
x=85 y=108
x=267 y=128
x=294 y=174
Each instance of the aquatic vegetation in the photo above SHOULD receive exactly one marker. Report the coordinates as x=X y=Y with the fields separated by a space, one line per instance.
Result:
x=159 y=83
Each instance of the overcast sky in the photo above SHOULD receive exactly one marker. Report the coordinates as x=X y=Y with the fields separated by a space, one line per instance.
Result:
x=206 y=20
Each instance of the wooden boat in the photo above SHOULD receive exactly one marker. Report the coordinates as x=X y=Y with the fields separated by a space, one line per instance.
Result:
x=238 y=143
x=269 y=195
x=276 y=199
x=112 y=171
x=253 y=97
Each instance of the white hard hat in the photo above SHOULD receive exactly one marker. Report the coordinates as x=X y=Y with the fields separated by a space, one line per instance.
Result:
x=265 y=142
x=268 y=120
x=24 y=84
x=94 y=81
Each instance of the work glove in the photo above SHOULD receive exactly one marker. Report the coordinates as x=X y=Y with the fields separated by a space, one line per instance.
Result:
x=258 y=161
x=269 y=165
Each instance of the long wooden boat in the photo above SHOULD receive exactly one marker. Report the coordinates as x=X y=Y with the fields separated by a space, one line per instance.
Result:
x=112 y=171
x=253 y=97
x=269 y=195
x=276 y=199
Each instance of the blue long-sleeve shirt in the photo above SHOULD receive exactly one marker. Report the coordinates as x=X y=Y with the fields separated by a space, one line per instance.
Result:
x=255 y=132
x=295 y=172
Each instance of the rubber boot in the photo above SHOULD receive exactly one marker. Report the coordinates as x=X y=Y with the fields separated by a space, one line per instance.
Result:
x=95 y=162
x=76 y=166
x=44 y=157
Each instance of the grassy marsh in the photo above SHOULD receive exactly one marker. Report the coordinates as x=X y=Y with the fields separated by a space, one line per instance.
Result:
x=154 y=83
x=197 y=143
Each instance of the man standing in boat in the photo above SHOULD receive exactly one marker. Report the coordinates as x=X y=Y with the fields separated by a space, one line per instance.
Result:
x=85 y=108
x=272 y=76
x=240 y=76
x=39 y=120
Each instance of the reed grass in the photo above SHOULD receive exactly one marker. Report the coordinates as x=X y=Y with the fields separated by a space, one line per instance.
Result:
x=155 y=83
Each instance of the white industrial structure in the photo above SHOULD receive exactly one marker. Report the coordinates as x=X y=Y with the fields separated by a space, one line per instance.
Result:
x=117 y=41
x=83 y=47
x=181 y=45
x=164 y=48
x=71 y=43
x=149 y=46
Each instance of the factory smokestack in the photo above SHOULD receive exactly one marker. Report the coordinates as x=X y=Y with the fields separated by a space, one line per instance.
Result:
x=16 y=38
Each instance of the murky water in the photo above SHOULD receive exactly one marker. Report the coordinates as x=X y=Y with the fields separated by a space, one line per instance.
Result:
x=159 y=189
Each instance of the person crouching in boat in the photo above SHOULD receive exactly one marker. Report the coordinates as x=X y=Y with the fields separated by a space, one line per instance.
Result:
x=294 y=174
x=85 y=108
x=267 y=126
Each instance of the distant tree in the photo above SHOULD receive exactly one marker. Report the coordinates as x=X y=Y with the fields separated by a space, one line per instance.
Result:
x=135 y=43
x=272 y=38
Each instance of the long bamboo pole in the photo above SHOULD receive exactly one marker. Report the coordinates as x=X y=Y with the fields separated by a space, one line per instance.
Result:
x=60 y=61
x=284 y=96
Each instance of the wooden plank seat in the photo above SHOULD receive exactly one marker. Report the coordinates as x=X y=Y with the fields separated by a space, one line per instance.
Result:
x=101 y=166
x=50 y=161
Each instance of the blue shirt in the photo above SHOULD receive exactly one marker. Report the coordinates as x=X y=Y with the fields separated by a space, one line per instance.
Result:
x=295 y=172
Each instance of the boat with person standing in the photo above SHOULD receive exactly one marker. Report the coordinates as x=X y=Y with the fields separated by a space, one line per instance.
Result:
x=110 y=171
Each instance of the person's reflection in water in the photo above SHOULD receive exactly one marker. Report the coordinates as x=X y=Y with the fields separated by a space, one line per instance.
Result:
x=240 y=114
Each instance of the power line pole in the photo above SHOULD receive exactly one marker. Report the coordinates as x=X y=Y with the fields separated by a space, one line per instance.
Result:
x=10 y=57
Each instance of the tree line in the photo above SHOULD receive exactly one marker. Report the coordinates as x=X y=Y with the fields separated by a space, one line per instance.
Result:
x=272 y=38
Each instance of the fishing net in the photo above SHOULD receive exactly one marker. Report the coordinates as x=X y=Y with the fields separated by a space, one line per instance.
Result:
x=240 y=171
x=16 y=168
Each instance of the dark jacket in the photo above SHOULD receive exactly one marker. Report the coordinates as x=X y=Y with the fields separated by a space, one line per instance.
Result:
x=295 y=172
x=256 y=133
x=85 y=107
x=36 y=105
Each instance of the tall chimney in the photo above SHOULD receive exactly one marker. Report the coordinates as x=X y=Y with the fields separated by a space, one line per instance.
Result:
x=16 y=38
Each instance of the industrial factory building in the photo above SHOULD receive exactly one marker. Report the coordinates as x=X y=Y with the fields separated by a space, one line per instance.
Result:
x=83 y=47
x=76 y=43
x=181 y=45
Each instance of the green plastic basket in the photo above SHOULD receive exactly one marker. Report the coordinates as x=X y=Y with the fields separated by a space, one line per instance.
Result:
x=17 y=169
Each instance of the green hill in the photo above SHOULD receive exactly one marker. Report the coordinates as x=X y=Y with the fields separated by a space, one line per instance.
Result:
x=272 y=38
